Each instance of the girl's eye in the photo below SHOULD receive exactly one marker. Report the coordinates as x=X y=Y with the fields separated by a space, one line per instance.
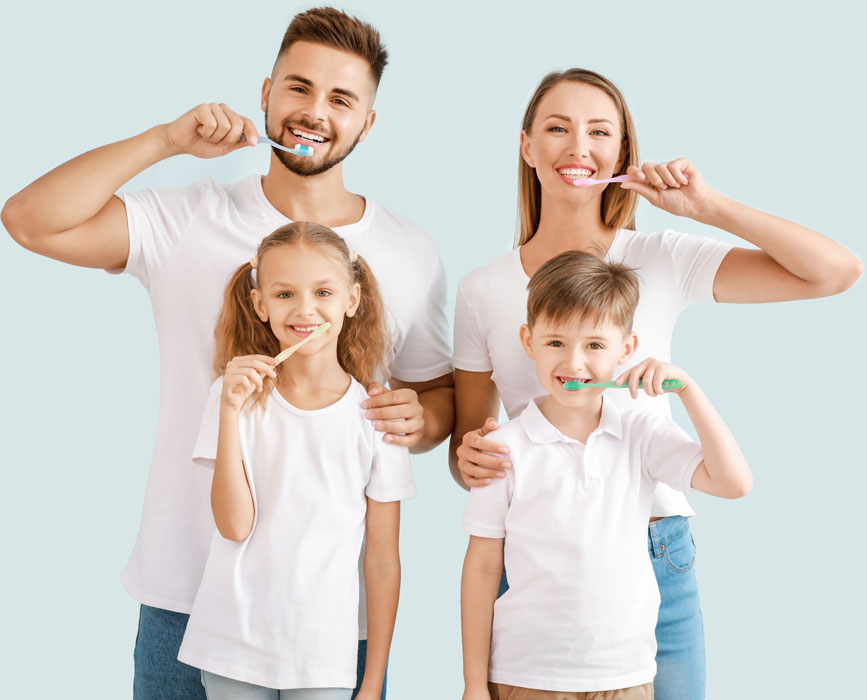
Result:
x=323 y=293
x=284 y=295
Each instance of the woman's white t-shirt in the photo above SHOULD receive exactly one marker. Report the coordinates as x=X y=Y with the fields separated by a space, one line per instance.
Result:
x=673 y=269
x=280 y=608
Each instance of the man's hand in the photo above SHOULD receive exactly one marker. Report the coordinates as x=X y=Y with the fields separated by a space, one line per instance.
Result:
x=479 y=467
x=209 y=131
x=396 y=413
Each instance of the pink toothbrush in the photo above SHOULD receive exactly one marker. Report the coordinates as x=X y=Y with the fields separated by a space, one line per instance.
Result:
x=588 y=181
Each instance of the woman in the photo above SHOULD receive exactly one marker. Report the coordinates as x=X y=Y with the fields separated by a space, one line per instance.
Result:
x=577 y=125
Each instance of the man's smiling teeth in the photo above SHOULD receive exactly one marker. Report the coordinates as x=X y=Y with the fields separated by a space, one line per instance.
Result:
x=308 y=136
x=575 y=172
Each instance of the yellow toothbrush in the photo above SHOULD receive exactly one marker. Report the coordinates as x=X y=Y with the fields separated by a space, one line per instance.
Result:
x=320 y=329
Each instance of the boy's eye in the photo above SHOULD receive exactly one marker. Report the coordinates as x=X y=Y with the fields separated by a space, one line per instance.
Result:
x=555 y=343
x=595 y=346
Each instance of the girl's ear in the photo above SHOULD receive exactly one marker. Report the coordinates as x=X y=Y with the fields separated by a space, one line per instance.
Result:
x=527 y=340
x=259 y=305
x=630 y=343
x=354 y=299
x=525 y=150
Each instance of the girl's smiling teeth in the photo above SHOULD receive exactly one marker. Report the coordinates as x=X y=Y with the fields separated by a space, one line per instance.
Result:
x=304 y=330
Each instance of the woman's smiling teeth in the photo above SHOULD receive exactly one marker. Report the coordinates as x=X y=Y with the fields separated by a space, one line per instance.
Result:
x=575 y=172
x=307 y=135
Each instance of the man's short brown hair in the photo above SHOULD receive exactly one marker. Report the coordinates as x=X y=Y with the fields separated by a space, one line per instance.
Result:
x=579 y=284
x=334 y=28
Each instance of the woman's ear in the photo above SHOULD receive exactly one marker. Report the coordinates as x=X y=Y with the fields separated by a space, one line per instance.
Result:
x=354 y=299
x=526 y=153
x=259 y=305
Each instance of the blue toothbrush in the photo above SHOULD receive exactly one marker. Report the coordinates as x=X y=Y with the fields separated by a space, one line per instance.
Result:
x=300 y=149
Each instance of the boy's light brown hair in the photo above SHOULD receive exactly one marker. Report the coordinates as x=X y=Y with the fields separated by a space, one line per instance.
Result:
x=334 y=28
x=579 y=285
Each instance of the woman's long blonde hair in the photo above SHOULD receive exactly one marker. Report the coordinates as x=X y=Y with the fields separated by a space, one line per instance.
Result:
x=618 y=205
x=364 y=339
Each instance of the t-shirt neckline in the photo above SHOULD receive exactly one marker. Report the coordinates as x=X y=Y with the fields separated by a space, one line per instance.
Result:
x=516 y=255
x=278 y=397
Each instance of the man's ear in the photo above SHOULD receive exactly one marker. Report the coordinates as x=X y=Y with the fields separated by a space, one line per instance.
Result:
x=354 y=299
x=630 y=344
x=259 y=305
x=527 y=340
x=368 y=125
x=525 y=150
x=266 y=93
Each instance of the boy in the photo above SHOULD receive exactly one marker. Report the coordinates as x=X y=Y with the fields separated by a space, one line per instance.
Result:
x=570 y=519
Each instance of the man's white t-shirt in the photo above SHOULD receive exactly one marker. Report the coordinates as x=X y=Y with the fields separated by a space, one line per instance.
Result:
x=582 y=603
x=279 y=609
x=673 y=269
x=184 y=245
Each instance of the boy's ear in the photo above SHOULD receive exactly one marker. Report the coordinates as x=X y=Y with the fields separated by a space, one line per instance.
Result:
x=630 y=343
x=259 y=305
x=354 y=299
x=527 y=340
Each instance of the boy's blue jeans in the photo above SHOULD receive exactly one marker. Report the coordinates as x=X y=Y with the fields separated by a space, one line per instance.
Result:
x=680 y=662
x=158 y=673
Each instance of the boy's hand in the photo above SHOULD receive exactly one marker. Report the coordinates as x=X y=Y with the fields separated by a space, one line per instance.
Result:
x=476 y=693
x=367 y=695
x=210 y=130
x=651 y=373
x=243 y=376
x=478 y=468
x=396 y=413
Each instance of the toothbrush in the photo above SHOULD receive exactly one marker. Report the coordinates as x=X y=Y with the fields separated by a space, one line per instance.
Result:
x=320 y=329
x=300 y=149
x=667 y=385
x=588 y=181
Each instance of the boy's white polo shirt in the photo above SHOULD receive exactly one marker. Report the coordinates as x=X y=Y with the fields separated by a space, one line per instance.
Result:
x=582 y=602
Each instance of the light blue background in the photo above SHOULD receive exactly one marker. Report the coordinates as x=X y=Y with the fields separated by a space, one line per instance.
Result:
x=766 y=98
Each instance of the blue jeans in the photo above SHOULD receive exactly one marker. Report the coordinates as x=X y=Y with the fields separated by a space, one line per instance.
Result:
x=680 y=663
x=158 y=673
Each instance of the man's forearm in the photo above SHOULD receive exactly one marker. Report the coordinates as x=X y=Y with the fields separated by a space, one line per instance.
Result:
x=439 y=417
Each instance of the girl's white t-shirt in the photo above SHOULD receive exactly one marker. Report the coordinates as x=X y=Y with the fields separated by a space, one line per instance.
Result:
x=280 y=608
x=673 y=269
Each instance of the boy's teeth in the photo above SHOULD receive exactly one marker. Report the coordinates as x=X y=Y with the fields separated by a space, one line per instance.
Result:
x=305 y=135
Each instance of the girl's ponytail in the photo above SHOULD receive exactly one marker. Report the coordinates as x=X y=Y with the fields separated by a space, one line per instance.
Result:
x=364 y=339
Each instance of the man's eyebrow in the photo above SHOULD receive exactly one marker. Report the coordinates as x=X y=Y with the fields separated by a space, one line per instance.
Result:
x=309 y=83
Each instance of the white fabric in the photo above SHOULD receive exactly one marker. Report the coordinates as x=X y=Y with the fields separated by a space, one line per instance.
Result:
x=582 y=603
x=184 y=244
x=279 y=609
x=674 y=270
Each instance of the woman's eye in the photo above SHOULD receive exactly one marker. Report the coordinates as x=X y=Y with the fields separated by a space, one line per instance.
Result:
x=557 y=129
x=599 y=132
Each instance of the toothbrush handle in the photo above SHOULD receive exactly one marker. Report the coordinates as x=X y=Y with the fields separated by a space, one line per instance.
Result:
x=667 y=384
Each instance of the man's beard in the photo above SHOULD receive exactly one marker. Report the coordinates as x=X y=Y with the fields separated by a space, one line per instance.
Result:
x=304 y=165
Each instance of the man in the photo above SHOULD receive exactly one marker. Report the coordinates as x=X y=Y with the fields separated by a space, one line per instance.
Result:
x=183 y=243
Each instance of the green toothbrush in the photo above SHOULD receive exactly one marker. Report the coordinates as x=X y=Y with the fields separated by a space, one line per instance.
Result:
x=667 y=385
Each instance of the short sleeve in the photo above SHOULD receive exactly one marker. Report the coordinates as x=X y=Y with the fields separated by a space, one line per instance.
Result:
x=157 y=220
x=485 y=515
x=669 y=455
x=426 y=353
x=471 y=350
x=205 y=451
x=390 y=473
x=696 y=261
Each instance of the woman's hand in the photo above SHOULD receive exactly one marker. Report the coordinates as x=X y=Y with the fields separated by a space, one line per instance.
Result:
x=651 y=373
x=478 y=467
x=243 y=376
x=676 y=186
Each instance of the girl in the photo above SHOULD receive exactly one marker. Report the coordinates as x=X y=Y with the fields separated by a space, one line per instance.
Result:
x=576 y=125
x=299 y=477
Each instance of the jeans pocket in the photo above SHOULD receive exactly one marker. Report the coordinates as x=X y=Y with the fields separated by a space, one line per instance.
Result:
x=680 y=553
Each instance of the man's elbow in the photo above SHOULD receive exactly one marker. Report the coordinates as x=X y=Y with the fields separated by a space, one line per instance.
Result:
x=740 y=488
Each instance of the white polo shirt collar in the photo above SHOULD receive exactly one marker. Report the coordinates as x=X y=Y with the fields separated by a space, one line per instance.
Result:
x=541 y=431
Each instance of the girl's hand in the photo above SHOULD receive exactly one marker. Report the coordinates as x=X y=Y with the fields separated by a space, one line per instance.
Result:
x=676 y=186
x=367 y=695
x=243 y=376
x=652 y=373
x=476 y=693
x=478 y=467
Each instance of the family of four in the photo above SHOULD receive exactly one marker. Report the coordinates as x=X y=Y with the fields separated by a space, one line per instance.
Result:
x=301 y=464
